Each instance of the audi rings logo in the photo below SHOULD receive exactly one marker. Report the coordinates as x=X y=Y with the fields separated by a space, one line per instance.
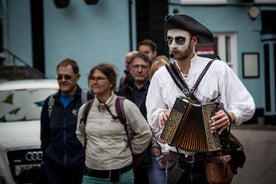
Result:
x=33 y=156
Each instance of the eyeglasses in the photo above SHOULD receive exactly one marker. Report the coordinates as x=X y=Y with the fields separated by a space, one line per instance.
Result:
x=66 y=77
x=97 y=79
x=179 y=40
x=143 y=67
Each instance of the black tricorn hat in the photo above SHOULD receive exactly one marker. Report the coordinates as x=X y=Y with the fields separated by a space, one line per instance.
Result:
x=187 y=23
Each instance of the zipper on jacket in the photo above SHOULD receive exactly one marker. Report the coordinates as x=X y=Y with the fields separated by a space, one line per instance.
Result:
x=64 y=142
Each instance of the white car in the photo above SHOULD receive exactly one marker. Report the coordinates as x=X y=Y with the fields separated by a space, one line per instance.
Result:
x=20 y=107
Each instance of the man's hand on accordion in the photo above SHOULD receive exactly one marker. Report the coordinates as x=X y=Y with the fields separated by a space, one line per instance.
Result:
x=221 y=121
x=164 y=118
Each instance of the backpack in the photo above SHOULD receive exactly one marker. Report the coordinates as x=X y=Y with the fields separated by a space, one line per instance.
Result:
x=122 y=118
x=51 y=102
x=118 y=107
x=119 y=110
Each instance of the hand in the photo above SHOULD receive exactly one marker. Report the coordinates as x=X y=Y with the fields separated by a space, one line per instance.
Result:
x=164 y=118
x=220 y=121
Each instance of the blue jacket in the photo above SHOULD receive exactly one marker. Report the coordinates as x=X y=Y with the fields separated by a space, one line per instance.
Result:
x=59 y=143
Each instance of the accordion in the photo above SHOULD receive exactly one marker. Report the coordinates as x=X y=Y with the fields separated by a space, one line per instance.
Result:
x=188 y=127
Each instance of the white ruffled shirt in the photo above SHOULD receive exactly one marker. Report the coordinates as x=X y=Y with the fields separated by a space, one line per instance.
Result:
x=220 y=80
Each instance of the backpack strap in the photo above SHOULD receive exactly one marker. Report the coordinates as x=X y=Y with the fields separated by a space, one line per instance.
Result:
x=120 y=109
x=84 y=116
x=86 y=110
x=121 y=116
x=51 y=103
x=84 y=94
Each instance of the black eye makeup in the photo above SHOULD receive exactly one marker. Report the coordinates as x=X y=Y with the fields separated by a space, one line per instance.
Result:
x=179 y=40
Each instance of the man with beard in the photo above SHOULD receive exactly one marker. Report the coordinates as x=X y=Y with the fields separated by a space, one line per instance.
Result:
x=220 y=83
x=63 y=154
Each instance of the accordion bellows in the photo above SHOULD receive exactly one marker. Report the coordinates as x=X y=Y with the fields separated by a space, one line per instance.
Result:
x=188 y=127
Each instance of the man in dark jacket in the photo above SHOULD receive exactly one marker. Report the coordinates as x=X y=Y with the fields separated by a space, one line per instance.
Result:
x=136 y=91
x=63 y=154
x=125 y=79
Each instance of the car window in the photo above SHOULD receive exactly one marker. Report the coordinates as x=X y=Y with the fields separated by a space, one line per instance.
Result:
x=23 y=104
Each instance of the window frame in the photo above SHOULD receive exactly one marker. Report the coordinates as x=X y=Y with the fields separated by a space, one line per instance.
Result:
x=226 y=46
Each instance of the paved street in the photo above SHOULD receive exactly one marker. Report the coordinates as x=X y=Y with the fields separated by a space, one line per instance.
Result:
x=260 y=148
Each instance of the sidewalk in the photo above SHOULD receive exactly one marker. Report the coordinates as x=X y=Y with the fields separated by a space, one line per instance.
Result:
x=260 y=147
x=255 y=127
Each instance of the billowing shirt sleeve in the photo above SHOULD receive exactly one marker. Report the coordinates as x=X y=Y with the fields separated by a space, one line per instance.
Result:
x=161 y=96
x=154 y=102
x=236 y=97
x=221 y=82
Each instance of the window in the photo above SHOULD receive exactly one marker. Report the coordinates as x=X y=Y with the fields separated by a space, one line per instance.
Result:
x=226 y=47
x=23 y=104
x=203 y=2
x=268 y=22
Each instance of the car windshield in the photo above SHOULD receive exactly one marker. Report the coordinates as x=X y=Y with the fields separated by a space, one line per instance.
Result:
x=23 y=104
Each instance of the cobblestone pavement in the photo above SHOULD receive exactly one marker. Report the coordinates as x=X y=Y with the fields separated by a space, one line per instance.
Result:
x=260 y=147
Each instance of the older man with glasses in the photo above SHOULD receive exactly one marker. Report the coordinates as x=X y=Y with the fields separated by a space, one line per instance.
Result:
x=136 y=91
x=63 y=154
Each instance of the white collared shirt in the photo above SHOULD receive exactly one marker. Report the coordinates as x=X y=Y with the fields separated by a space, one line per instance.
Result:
x=220 y=80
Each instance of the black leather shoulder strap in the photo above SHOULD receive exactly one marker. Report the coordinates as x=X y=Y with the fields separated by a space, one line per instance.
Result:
x=176 y=76
x=202 y=75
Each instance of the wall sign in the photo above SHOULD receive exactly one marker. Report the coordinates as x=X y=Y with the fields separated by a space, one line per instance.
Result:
x=250 y=65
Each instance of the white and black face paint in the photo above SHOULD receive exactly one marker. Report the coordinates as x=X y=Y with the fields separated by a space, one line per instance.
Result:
x=178 y=39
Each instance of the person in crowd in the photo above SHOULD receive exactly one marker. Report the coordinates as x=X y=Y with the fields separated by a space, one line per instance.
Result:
x=148 y=47
x=220 y=83
x=108 y=155
x=136 y=92
x=63 y=154
x=127 y=77
x=158 y=62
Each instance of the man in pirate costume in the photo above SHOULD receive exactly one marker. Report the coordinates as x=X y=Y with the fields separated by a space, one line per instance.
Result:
x=182 y=34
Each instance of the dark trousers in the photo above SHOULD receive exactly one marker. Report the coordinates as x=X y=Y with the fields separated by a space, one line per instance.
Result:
x=141 y=175
x=192 y=173
x=60 y=175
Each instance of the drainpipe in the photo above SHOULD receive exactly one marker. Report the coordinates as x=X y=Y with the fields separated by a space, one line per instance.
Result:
x=130 y=24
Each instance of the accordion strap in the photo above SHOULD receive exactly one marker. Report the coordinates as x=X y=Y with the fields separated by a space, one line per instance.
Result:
x=173 y=70
x=202 y=75
x=180 y=82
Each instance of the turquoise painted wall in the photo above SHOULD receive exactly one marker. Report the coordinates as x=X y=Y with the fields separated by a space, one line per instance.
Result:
x=17 y=28
x=89 y=34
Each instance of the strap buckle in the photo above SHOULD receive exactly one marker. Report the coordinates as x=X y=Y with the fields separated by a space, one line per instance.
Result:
x=187 y=93
x=190 y=159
